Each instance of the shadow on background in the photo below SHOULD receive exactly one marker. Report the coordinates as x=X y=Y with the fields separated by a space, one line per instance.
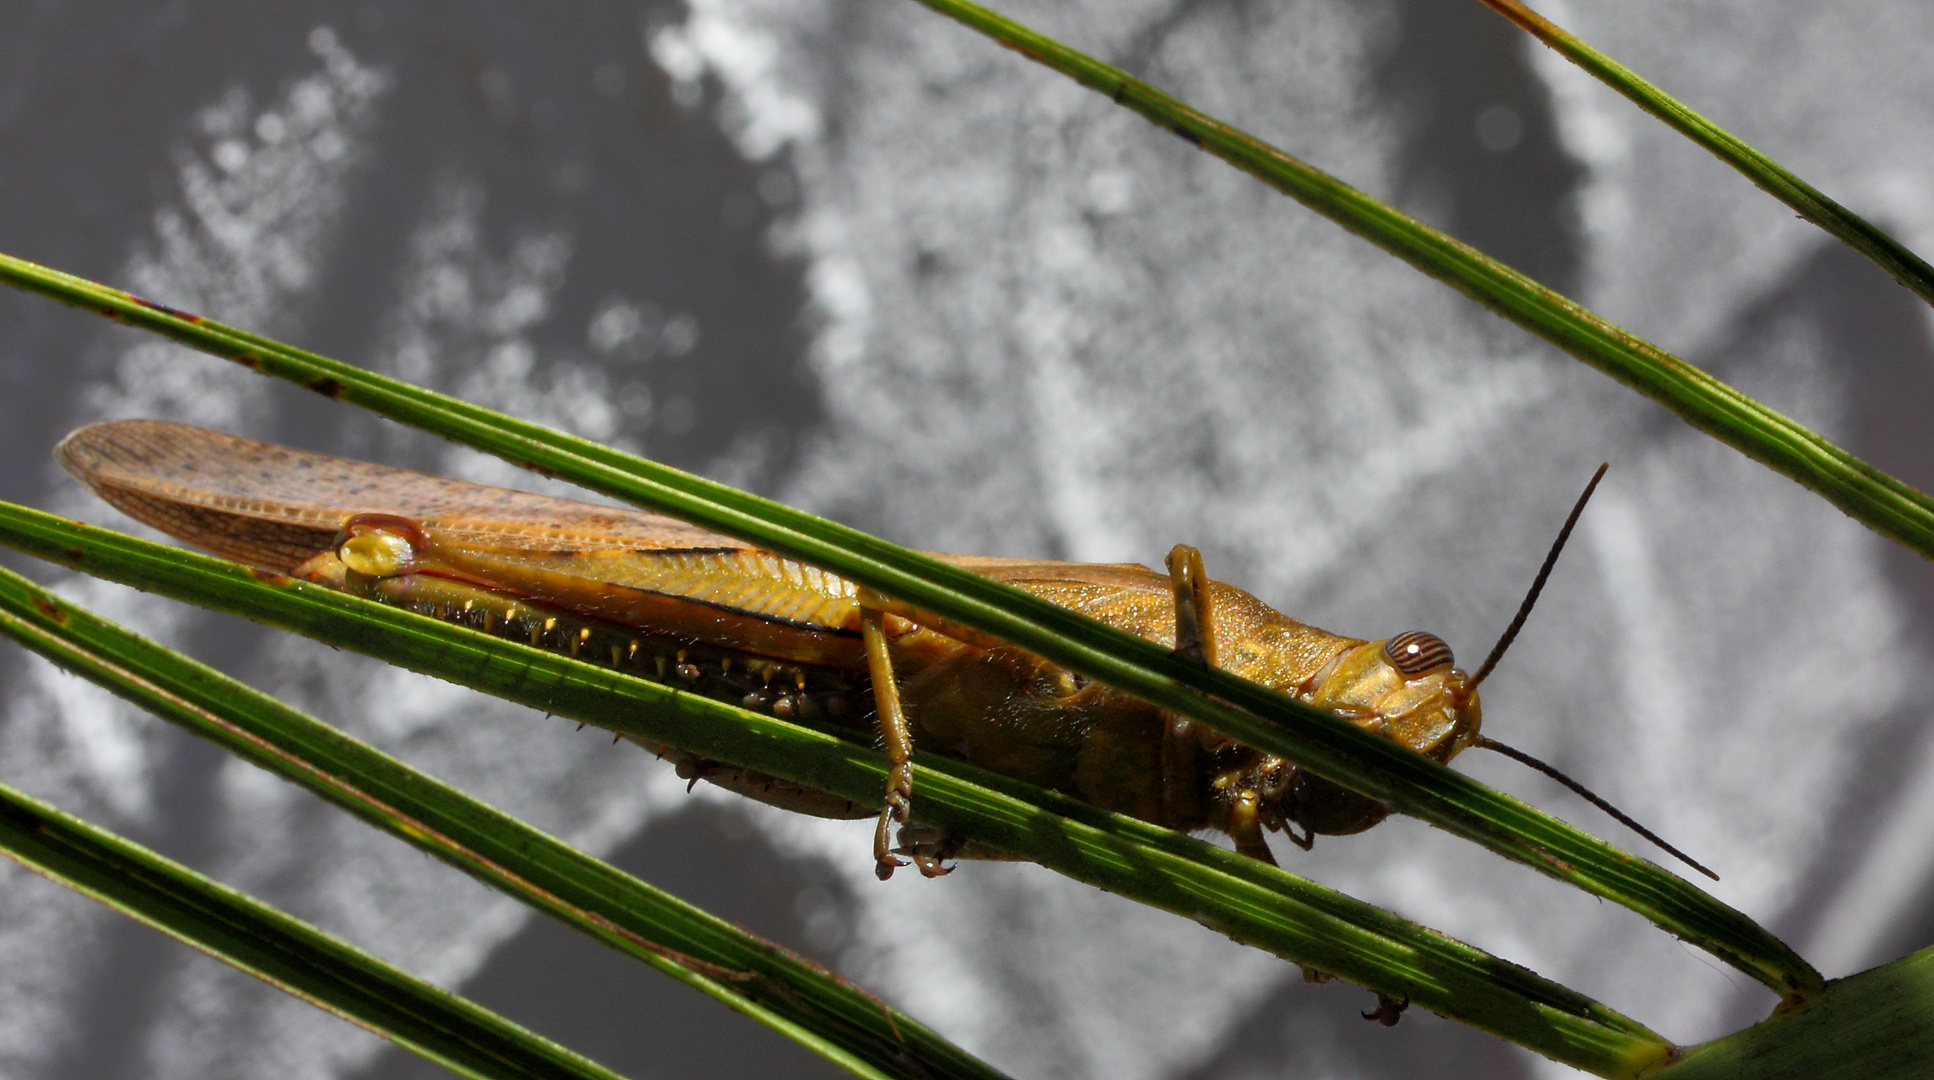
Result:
x=627 y=1016
x=1481 y=160
x=1876 y=335
x=1308 y=1030
x=560 y=120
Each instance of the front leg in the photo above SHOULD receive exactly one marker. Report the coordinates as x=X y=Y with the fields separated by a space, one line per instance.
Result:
x=1194 y=606
x=1195 y=640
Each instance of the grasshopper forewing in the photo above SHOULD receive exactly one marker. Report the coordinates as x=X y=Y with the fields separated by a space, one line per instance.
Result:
x=675 y=603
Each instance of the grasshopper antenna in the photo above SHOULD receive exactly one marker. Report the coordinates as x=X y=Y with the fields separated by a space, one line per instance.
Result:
x=1504 y=642
x=1538 y=583
x=1590 y=796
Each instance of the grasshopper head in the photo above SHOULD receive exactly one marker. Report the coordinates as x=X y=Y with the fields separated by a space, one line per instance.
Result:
x=1408 y=688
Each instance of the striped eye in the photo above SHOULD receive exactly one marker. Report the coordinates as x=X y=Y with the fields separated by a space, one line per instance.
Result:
x=1416 y=653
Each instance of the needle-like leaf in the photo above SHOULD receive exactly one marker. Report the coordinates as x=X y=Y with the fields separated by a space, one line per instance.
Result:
x=1870 y=496
x=1770 y=176
x=278 y=949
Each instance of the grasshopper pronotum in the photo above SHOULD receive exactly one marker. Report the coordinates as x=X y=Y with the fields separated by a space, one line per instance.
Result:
x=667 y=600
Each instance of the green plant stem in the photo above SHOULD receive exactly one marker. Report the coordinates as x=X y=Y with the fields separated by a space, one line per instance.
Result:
x=1868 y=495
x=1809 y=202
x=945 y=596
x=1877 y=1025
x=278 y=949
x=791 y=995
x=1245 y=899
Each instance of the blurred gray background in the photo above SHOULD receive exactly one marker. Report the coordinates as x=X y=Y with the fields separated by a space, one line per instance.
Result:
x=847 y=253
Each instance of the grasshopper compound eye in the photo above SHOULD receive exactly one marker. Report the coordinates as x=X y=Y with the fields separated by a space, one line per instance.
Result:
x=1415 y=653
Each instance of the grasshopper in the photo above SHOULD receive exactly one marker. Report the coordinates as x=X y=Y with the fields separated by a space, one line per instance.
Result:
x=660 y=598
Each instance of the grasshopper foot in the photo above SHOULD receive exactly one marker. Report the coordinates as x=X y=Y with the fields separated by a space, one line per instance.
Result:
x=899 y=798
x=930 y=849
x=1389 y=1010
x=883 y=861
x=930 y=866
x=1305 y=841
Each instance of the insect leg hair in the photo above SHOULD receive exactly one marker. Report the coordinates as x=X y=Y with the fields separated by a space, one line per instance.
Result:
x=1592 y=797
x=1538 y=584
